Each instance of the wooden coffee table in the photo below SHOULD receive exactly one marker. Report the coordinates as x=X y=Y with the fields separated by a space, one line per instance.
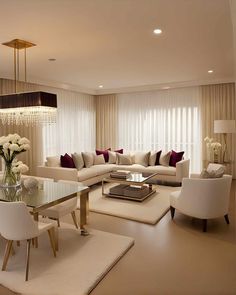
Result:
x=138 y=180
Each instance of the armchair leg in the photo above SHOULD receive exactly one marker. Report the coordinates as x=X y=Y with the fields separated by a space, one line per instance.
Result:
x=172 y=212
x=27 y=260
x=74 y=219
x=226 y=218
x=7 y=254
x=204 y=225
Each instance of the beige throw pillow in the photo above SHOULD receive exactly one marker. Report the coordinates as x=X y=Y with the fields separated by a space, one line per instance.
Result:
x=142 y=158
x=99 y=159
x=124 y=159
x=211 y=174
x=152 y=159
x=78 y=160
x=53 y=161
x=88 y=159
x=112 y=157
x=165 y=159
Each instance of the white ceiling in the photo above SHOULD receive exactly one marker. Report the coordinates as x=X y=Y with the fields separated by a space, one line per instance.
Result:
x=110 y=42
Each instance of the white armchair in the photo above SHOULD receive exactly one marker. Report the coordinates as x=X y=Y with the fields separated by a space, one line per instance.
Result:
x=203 y=198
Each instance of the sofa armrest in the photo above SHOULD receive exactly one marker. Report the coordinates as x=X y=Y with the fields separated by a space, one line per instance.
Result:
x=58 y=173
x=182 y=169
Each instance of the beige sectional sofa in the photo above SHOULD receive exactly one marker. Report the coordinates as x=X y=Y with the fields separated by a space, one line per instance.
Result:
x=96 y=173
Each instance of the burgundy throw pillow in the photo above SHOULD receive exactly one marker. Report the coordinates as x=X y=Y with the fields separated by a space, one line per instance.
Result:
x=67 y=161
x=120 y=151
x=175 y=158
x=158 y=158
x=104 y=153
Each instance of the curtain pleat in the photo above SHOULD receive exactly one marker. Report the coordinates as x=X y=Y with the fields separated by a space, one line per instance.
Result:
x=106 y=121
x=218 y=103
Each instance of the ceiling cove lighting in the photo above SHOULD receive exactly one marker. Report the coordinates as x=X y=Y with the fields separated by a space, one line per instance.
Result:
x=100 y=86
x=210 y=71
x=157 y=31
x=27 y=108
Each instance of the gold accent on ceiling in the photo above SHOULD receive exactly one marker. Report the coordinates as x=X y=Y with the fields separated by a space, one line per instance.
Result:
x=19 y=44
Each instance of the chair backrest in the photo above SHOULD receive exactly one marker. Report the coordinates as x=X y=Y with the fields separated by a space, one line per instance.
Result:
x=16 y=222
x=208 y=198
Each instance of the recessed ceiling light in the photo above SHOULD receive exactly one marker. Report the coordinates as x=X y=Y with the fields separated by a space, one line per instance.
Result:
x=157 y=31
x=100 y=86
x=51 y=59
x=210 y=71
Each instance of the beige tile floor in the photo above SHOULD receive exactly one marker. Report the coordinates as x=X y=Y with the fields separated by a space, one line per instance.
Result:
x=172 y=257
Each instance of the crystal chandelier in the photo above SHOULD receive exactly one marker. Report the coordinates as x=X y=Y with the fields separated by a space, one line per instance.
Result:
x=28 y=108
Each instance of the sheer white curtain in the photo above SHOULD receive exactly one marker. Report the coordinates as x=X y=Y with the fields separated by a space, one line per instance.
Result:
x=75 y=128
x=163 y=119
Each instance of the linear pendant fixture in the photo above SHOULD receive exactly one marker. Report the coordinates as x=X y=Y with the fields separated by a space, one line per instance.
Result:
x=29 y=108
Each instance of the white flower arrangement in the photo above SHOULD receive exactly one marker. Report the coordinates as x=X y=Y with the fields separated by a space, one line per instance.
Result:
x=12 y=145
x=213 y=148
x=19 y=167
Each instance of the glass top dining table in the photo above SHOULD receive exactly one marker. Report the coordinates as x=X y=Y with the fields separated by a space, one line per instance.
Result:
x=48 y=194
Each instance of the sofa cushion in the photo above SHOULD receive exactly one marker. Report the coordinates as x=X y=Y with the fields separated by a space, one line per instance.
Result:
x=120 y=151
x=154 y=158
x=78 y=160
x=104 y=153
x=158 y=158
x=165 y=159
x=163 y=170
x=67 y=161
x=142 y=158
x=124 y=159
x=53 y=161
x=99 y=159
x=112 y=157
x=88 y=159
x=175 y=157
x=94 y=171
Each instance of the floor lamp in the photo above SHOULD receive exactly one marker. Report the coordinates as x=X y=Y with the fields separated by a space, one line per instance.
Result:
x=225 y=127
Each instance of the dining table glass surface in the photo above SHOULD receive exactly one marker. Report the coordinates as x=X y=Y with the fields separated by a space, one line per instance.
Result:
x=46 y=192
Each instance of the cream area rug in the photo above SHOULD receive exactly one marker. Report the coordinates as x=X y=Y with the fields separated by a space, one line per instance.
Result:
x=81 y=263
x=149 y=211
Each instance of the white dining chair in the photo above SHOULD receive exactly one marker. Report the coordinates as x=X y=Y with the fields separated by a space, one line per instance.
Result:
x=16 y=224
x=63 y=209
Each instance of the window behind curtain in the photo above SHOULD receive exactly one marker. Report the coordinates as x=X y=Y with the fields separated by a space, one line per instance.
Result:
x=161 y=120
x=74 y=130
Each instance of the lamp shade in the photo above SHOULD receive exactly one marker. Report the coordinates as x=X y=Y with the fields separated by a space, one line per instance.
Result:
x=224 y=126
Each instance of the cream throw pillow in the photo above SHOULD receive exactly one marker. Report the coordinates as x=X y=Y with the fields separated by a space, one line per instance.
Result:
x=53 y=161
x=165 y=159
x=78 y=160
x=142 y=158
x=124 y=159
x=152 y=159
x=88 y=159
x=99 y=159
x=112 y=157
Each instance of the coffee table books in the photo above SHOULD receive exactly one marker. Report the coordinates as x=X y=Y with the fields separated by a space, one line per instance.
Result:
x=120 y=174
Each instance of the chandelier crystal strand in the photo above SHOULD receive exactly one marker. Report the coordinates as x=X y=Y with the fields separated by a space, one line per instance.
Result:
x=28 y=116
